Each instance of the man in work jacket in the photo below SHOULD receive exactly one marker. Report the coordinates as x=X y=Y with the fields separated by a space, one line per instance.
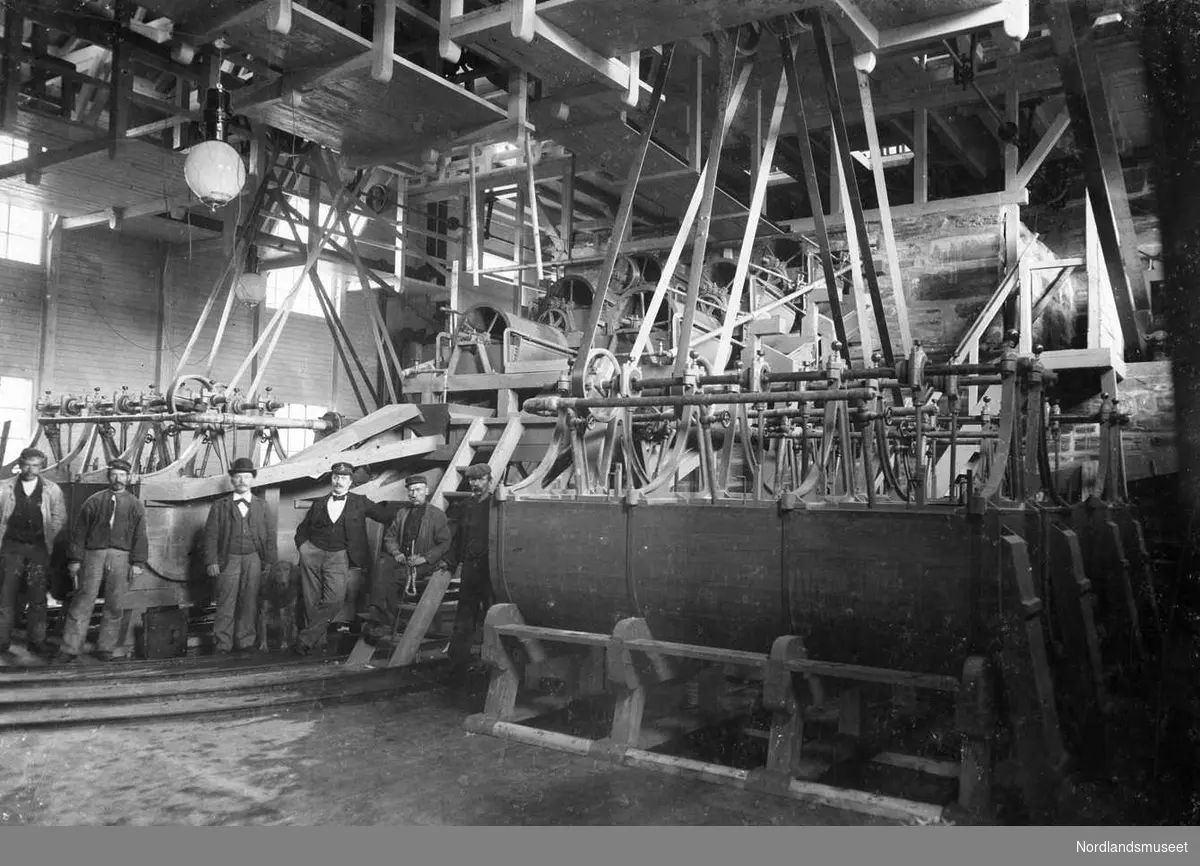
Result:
x=417 y=540
x=330 y=541
x=109 y=540
x=32 y=514
x=472 y=542
x=239 y=545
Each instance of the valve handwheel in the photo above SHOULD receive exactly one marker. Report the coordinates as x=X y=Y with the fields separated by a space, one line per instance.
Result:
x=600 y=374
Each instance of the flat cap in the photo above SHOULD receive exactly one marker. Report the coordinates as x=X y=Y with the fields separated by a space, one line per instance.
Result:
x=341 y=468
x=414 y=480
x=478 y=470
x=120 y=464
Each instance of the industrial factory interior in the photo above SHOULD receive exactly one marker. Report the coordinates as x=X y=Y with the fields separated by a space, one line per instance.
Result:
x=599 y=412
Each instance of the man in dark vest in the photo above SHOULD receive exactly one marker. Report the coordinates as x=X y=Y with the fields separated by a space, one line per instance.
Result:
x=471 y=546
x=417 y=540
x=239 y=545
x=32 y=513
x=331 y=540
x=109 y=540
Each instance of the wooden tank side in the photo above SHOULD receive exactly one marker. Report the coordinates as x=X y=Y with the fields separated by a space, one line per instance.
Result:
x=562 y=563
x=709 y=574
x=895 y=589
x=882 y=589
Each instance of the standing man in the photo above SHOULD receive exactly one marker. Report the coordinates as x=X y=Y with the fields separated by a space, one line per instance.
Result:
x=330 y=540
x=239 y=545
x=109 y=539
x=418 y=539
x=32 y=513
x=472 y=545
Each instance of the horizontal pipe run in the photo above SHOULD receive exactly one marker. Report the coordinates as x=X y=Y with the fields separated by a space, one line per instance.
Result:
x=216 y=418
x=961 y=369
x=552 y=405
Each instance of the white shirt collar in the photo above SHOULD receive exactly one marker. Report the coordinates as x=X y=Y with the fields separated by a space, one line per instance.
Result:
x=243 y=497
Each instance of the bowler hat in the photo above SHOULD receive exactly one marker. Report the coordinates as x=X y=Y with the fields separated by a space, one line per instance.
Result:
x=120 y=464
x=341 y=468
x=243 y=464
x=478 y=470
x=414 y=480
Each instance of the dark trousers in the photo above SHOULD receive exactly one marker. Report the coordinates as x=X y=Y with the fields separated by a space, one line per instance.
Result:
x=323 y=582
x=474 y=598
x=235 y=622
x=109 y=568
x=23 y=562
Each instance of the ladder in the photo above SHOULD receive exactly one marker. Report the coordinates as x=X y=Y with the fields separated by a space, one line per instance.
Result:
x=421 y=614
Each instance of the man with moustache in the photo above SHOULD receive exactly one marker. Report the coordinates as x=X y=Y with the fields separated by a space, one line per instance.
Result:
x=109 y=540
x=239 y=545
x=32 y=513
x=330 y=541
x=418 y=540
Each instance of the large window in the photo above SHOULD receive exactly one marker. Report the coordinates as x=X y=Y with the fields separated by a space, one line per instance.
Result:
x=21 y=229
x=16 y=409
x=336 y=282
x=295 y=441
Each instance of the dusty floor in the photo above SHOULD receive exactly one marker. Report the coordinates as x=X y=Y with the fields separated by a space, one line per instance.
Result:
x=403 y=760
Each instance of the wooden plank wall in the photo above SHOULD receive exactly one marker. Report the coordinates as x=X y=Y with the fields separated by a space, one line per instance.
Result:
x=21 y=290
x=107 y=335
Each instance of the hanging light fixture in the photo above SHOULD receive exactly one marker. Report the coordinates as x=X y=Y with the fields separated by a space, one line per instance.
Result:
x=214 y=169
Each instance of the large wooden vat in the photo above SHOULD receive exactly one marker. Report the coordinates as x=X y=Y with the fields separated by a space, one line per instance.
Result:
x=909 y=589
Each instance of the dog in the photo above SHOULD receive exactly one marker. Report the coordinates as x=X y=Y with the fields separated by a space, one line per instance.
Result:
x=278 y=598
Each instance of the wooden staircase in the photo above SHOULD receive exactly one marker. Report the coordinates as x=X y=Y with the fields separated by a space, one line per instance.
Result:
x=500 y=436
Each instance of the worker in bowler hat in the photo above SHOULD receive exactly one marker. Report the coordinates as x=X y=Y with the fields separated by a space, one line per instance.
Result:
x=109 y=542
x=239 y=545
x=416 y=542
x=330 y=540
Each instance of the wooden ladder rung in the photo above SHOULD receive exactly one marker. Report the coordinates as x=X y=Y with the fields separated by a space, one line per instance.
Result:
x=482 y=443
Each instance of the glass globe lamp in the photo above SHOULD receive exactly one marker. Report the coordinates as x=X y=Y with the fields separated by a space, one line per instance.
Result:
x=215 y=172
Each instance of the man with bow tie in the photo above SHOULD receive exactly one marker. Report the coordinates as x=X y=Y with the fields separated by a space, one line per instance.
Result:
x=239 y=545
x=109 y=540
x=330 y=541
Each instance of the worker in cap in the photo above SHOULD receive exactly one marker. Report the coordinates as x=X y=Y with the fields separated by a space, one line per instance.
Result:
x=239 y=545
x=32 y=515
x=109 y=541
x=416 y=543
x=472 y=516
x=331 y=540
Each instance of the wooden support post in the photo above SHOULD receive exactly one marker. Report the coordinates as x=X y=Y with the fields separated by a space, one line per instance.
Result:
x=1074 y=606
x=1015 y=312
x=162 y=339
x=473 y=208
x=730 y=99
x=383 y=41
x=786 y=738
x=787 y=49
x=10 y=65
x=854 y=200
x=120 y=91
x=899 y=302
x=1025 y=670
x=628 y=682
x=1092 y=128
x=48 y=350
x=975 y=718
x=757 y=200
x=566 y=229
x=624 y=214
x=920 y=155
x=505 y=679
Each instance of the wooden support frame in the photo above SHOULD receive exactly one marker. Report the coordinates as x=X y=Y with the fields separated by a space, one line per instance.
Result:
x=841 y=137
x=787 y=48
x=1093 y=130
x=1043 y=148
x=899 y=301
x=624 y=213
